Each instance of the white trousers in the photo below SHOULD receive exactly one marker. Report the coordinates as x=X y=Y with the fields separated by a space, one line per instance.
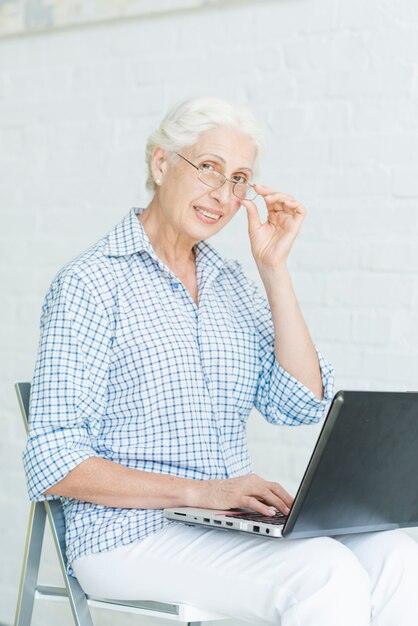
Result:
x=354 y=580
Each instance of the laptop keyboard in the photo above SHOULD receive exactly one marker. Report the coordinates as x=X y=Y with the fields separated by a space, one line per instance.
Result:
x=278 y=519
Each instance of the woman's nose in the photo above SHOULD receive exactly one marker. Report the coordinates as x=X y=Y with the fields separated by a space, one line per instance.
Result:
x=223 y=193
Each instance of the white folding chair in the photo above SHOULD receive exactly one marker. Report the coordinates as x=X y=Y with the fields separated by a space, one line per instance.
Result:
x=79 y=601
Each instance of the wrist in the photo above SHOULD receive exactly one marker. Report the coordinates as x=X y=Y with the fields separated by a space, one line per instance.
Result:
x=279 y=266
x=195 y=493
x=273 y=276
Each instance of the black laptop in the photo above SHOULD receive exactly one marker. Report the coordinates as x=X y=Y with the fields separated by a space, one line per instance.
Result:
x=362 y=475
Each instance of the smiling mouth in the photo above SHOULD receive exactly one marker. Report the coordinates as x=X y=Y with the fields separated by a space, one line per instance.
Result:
x=206 y=213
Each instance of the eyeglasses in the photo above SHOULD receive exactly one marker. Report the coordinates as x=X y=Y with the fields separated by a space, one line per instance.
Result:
x=243 y=190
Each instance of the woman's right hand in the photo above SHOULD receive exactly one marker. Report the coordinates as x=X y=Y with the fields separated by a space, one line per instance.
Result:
x=249 y=491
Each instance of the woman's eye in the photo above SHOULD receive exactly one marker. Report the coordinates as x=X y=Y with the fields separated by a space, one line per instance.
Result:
x=240 y=179
x=207 y=166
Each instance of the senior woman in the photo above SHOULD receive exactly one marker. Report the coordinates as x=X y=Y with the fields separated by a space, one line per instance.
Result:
x=154 y=349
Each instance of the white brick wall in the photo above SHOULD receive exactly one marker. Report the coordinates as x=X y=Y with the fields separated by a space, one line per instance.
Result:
x=335 y=84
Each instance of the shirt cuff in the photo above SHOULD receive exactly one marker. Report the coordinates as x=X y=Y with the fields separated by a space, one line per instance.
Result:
x=46 y=471
x=296 y=404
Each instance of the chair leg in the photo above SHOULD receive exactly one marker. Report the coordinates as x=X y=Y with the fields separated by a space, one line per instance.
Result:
x=30 y=567
x=76 y=595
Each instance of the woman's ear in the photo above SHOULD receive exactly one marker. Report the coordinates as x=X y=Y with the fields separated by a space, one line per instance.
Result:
x=159 y=164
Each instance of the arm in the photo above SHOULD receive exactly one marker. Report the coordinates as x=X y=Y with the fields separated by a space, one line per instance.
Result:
x=293 y=346
x=69 y=385
x=106 y=483
x=270 y=244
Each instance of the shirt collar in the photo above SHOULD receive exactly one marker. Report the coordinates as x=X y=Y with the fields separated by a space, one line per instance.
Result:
x=129 y=237
x=208 y=257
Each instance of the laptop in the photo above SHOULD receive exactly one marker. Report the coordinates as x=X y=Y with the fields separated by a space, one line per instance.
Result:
x=362 y=475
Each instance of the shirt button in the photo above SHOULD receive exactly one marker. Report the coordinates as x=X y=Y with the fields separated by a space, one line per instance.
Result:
x=207 y=378
x=175 y=285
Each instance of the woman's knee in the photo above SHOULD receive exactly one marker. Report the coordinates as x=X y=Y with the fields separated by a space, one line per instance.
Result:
x=394 y=550
x=327 y=568
x=341 y=567
x=333 y=587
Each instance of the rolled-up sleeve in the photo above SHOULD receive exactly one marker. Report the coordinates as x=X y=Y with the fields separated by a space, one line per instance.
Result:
x=69 y=386
x=281 y=398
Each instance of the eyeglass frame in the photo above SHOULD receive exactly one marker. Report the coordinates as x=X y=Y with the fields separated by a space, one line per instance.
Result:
x=234 y=182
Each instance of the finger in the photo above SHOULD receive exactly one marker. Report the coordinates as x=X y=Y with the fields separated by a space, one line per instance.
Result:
x=278 y=197
x=273 y=198
x=289 y=208
x=253 y=216
x=255 y=505
x=278 y=505
x=267 y=191
x=285 y=209
x=270 y=493
x=271 y=499
x=281 y=493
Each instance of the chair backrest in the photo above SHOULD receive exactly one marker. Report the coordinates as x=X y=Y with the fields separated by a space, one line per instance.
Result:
x=23 y=395
x=40 y=511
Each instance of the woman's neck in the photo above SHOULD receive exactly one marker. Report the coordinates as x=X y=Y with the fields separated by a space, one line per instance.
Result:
x=168 y=243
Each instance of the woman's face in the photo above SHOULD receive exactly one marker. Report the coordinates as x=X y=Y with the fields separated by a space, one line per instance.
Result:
x=183 y=198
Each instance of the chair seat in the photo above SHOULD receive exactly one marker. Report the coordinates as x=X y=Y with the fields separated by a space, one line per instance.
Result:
x=174 y=611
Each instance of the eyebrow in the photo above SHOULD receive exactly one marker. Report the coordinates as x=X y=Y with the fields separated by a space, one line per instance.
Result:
x=217 y=156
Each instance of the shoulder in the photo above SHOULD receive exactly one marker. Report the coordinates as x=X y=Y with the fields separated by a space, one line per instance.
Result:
x=88 y=277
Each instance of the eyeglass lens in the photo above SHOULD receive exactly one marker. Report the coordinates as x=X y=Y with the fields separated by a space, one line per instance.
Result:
x=243 y=191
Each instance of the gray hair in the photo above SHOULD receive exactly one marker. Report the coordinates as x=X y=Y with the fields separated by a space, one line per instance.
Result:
x=183 y=124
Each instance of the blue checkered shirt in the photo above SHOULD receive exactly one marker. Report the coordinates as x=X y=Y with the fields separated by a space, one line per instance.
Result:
x=131 y=370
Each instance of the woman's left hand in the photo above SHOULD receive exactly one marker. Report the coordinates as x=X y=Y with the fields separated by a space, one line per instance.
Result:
x=271 y=242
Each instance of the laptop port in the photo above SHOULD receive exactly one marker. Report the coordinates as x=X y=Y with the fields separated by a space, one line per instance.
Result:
x=256 y=529
x=217 y=521
x=229 y=523
x=206 y=519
